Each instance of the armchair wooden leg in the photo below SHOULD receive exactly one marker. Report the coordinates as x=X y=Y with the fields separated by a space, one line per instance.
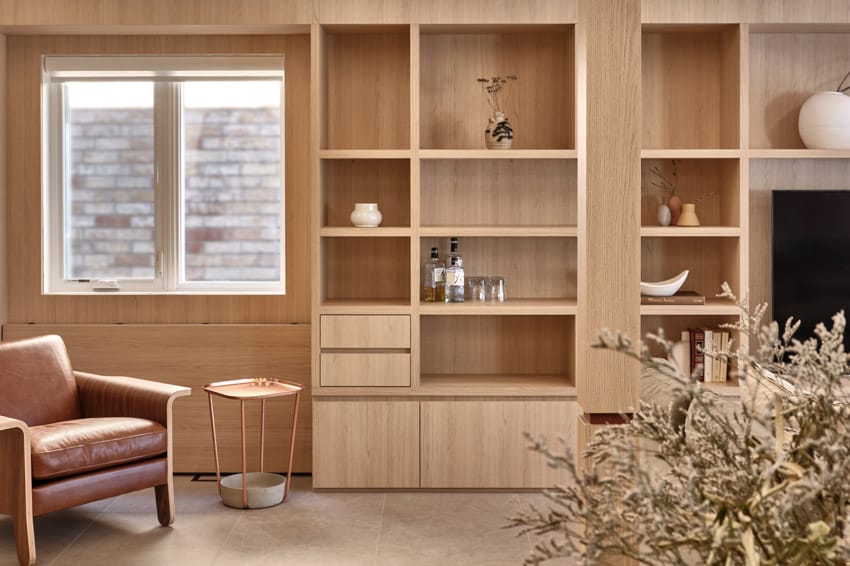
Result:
x=165 y=503
x=15 y=485
x=25 y=539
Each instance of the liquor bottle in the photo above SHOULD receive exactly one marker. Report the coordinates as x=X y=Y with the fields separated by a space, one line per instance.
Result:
x=433 y=278
x=454 y=275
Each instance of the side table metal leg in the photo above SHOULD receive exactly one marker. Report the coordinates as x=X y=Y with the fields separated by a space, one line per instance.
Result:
x=244 y=458
x=292 y=447
x=262 y=433
x=215 y=445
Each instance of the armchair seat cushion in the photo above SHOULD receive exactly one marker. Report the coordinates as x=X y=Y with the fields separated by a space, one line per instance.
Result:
x=72 y=447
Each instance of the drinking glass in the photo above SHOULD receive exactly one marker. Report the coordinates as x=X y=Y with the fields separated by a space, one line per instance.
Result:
x=477 y=288
x=496 y=289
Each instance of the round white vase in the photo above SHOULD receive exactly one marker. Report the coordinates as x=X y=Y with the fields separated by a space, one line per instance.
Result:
x=824 y=121
x=366 y=215
x=664 y=215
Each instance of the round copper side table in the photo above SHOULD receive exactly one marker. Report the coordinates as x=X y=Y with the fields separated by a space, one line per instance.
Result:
x=246 y=390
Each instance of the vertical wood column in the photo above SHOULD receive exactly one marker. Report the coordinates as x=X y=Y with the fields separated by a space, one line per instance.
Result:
x=4 y=221
x=608 y=85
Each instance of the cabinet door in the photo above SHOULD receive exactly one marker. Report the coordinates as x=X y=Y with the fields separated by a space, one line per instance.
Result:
x=480 y=444
x=365 y=444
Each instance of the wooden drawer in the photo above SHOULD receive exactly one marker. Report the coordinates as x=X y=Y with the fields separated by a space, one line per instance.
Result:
x=365 y=444
x=360 y=369
x=480 y=444
x=365 y=331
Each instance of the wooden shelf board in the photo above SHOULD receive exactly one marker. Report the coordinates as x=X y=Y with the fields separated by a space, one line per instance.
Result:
x=500 y=231
x=730 y=388
x=799 y=154
x=712 y=307
x=488 y=385
x=365 y=154
x=690 y=232
x=510 y=307
x=690 y=153
x=370 y=306
x=497 y=154
x=492 y=28
x=352 y=232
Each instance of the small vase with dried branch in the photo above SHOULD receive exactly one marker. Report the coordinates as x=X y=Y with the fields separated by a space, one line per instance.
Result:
x=499 y=133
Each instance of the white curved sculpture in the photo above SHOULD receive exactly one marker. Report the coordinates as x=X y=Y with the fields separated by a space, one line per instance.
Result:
x=824 y=121
x=663 y=288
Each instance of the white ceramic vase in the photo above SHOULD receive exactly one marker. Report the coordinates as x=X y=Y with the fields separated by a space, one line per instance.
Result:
x=664 y=215
x=499 y=134
x=824 y=121
x=366 y=215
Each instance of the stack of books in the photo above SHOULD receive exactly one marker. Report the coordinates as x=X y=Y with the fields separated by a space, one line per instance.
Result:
x=699 y=340
x=680 y=298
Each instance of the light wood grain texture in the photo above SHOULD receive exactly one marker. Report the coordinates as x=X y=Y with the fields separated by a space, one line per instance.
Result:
x=769 y=174
x=353 y=232
x=366 y=444
x=799 y=153
x=485 y=192
x=494 y=385
x=368 y=89
x=363 y=268
x=497 y=155
x=515 y=345
x=787 y=68
x=519 y=261
x=690 y=153
x=510 y=306
x=4 y=265
x=24 y=198
x=608 y=45
x=364 y=153
x=361 y=369
x=514 y=231
x=480 y=444
x=383 y=181
x=365 y=331
x=712 y=184
x=539 y=105
x=192 y=356
x=712 y=306
x=364 y=306
x=711 y=261
x=690 y=232
x=15 y=485
x=317 y=141
x=733 y=11
x=690 y=88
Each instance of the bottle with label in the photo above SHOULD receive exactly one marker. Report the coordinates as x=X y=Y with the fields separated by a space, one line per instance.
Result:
x=454 y=275
x=433 y=279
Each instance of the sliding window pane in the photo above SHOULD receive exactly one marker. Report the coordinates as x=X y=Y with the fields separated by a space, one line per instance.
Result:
x=232 y=185
x=109 y=184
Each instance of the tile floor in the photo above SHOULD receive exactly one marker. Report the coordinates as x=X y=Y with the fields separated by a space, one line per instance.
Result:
x=321 y=528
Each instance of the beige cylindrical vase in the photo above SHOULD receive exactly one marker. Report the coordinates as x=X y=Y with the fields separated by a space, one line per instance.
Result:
x=689 y=215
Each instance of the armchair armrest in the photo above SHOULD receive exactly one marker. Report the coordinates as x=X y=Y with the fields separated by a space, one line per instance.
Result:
x=119 y=396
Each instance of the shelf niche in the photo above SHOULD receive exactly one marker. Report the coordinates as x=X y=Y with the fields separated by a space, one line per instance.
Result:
x=514 y=192
x=367 y=269
x=348 y=181
x=711 y=262
x=540 y=104
x=690 y=87
x=499 y=350
x=366 y=95
x=533 y=268
x=696 y=177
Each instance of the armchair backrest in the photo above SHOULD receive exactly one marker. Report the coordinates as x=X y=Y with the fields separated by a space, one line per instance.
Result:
x=37 y=384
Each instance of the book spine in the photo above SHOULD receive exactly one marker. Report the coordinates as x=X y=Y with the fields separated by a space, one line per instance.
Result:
x=708 y=365
x=674 y=300
x=697 y=357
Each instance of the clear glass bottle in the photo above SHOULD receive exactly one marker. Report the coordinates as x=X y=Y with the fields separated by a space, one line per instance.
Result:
x=454 y=275
x=433 y=278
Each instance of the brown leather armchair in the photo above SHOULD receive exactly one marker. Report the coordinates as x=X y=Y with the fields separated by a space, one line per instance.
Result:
x=68 y=438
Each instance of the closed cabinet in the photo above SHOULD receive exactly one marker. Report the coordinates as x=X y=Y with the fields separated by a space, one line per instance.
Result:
x=480 y=444
x=365 y=443
x=365 y=351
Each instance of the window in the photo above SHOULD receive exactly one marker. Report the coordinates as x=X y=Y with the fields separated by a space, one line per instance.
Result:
x=163 y=174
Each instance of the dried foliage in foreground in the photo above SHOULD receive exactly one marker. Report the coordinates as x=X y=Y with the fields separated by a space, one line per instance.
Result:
x=760 y=481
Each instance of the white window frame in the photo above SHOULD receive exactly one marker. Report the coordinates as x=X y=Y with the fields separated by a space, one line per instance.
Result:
x=167 y=73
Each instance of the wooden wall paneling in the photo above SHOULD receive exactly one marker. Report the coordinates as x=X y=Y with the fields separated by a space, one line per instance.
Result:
x=539 y=104
x=609 y=57
x=480 y=443
x=748 y=11
x=787 y=68
x=366 y=443
x=711 y=261
x=348 y=181
x=367 y=88
x=499 y=12
x=498 y=345
x=193 y=356
x=487 y=192
x=24 y=181
x=415 y=202
x=533 y=268
x=4 y=193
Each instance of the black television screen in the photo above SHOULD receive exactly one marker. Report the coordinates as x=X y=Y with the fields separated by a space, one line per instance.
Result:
x=811 y=257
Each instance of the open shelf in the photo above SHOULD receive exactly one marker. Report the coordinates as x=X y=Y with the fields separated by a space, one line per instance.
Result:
x=785 y=70
x=540 y=104
x=711 y=262
x=690 y=153
x=533 y=268
x=498 y=154
x=494 y=385
x=346 y=182
x=365 y=154
x=373 y=269
x=512 y=231
x=509 y=307
x=498 y=193
x=690 y=232
x=690 y=87
x=366 y=94
x=719 y=178
x=475 y=352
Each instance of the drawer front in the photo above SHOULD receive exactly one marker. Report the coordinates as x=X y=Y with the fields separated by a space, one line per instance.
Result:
x=367 y=331
x=365 y=369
